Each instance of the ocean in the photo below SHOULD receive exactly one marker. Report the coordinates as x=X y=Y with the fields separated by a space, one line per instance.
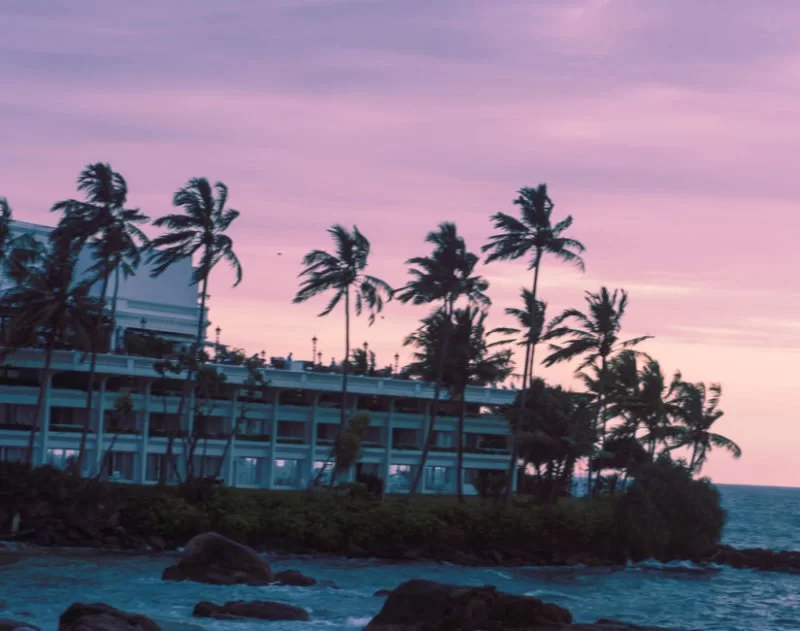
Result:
x=678 y=595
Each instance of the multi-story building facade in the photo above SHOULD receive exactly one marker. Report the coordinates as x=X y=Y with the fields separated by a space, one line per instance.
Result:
x=276 y=436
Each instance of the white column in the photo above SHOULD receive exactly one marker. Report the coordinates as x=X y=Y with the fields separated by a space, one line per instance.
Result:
x=387 y=460
x=44 y=420
x=141 y=475
x=229 y=467
x=312 y=433
x=100 y=426
x=426 y=422
x=273 y=441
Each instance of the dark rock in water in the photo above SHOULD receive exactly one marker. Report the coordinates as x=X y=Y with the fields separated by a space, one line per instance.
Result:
x=382 y=593
x=257 y=609
x=294 y=578
x=759 y=559
x=420 y=605
x=100 y=617
x=212 y=558
x=157 y=543
x=15 y=625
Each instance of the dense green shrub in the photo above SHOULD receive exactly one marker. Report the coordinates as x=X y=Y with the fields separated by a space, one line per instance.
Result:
x=666 y=514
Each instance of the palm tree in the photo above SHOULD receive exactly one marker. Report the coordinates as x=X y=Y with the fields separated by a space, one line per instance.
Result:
x=116 y=243
x=5 y=227
x=445 y=277
x=199 y=229
x=474 y=360
x=697 y=408
x=531 y=235
x=593 y=337
x=51 y=310
x=343 y=273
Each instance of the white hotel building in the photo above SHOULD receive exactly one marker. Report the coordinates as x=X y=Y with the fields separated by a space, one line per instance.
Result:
x=282 y=435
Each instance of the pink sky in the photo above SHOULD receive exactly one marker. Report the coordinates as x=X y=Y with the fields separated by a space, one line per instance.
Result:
x=668 y=130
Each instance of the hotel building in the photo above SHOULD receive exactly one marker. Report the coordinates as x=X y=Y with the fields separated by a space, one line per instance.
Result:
x=283 y=431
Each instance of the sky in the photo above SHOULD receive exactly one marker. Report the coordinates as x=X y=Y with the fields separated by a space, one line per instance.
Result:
x=668 y=130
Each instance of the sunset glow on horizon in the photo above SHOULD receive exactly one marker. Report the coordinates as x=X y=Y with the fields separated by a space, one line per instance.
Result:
x=668 y=131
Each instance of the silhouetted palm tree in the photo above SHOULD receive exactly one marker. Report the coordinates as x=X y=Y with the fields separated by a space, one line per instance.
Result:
x=116 y=243
x=5 y=227
x=697 y=409
x=532 y=235
x=594 y=338
x=50 y=310
x=199 y=229
x=473 y=361
x=343 y=274
x=444 y=277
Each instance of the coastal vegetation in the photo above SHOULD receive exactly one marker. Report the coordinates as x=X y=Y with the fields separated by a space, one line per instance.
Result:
x=643 y=435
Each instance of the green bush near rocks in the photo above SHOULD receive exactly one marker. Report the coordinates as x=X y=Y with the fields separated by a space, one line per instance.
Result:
x=664 y=515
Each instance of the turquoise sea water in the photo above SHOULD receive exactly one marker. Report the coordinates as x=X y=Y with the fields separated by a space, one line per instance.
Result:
x=677 y=595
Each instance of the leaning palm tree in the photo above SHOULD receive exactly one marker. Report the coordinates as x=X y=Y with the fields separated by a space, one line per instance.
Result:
x=343 y=274
x=531 y=236
x=697 y=409
x=199 y=230
x=445 y=277
x=50 y=310
x=594 y=338
x=115 y=241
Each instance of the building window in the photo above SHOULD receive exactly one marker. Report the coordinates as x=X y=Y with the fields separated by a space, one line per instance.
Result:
x=325 y=478
x=119 y=465
x=207 y=466
x=438 y=479
x=399 y=478
x=156 y=463
x=288 y=474
x=248 y=471
x=61 y=458
x=13 y=454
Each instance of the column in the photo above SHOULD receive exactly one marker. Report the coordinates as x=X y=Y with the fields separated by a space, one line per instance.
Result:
x=141 y=474
x=312 y=433
x=230 y=458
x=387 y=461
x=273 y=441
x=100 y=426
x=44 y=420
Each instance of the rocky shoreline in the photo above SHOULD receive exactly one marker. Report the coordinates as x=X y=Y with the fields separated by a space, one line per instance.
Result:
x=416 y=605
x=76 y=537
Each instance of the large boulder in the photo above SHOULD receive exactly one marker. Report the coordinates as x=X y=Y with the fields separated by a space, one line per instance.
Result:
x=294 y=578
x=242 y=610
x=100 y=617
x=212 y=558
x=7 y=624
x=420 y=605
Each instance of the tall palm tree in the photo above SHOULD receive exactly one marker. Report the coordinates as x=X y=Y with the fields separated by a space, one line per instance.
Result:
x=594 y=338
x=446 y=276
x=116 y=243
x=474 y=361
x=697 y=408
x=531 y=236
x=50 y=309
x=5 y=227
x=198 y=230
x=343 y=274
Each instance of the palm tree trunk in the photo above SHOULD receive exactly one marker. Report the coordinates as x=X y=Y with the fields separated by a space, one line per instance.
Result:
x=460 y=454
x=114 y=308
x=48 y=360
x=345 y=372
x=346 y=362
x=527 y=373
x=92 y=370
x=601 y=413
x=437 y=393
